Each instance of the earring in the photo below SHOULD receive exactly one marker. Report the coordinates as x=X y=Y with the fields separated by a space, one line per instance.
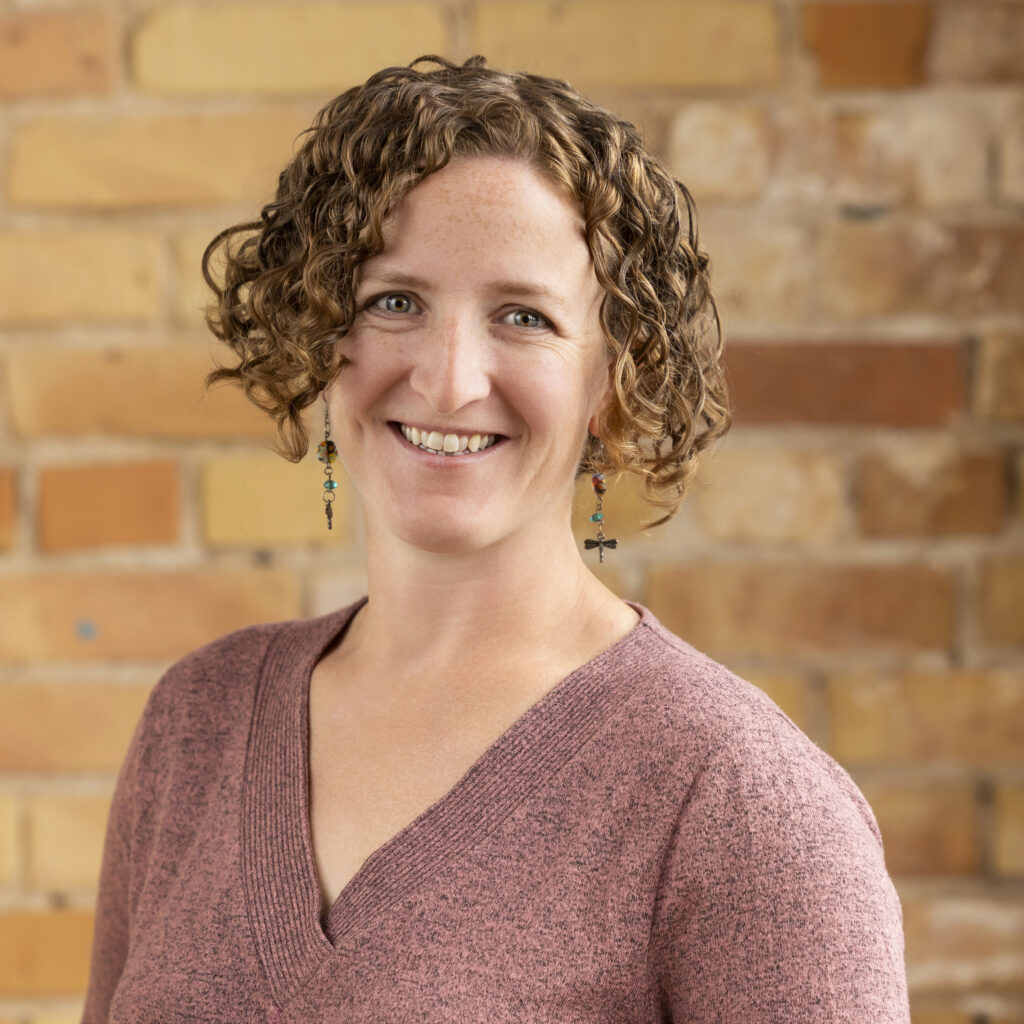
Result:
x=327 y=452
x=601 y=542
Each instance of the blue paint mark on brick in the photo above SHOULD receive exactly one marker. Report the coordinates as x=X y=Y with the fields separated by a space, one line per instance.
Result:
x=86 y=629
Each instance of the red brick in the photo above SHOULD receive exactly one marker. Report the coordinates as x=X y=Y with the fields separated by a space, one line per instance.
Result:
x=140 y=391
x=55 y=53
x=867 y=45
x=125 y=503
x=731 y=609
x=44 y=953
x=8 y=508
x=969 y=717
x=864 y=383
x=100 y=615
x=1000 y=605
x=59 y=726
x=928 y=828
x=908 y=492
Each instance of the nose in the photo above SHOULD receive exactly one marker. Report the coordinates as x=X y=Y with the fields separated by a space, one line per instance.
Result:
x=451 y=367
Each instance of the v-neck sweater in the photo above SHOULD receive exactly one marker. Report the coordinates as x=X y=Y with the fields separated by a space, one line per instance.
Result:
x=653 y=840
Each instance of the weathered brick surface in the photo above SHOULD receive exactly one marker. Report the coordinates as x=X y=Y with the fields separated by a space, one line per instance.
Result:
x=866 y=44
x=44 y=952
x=57 y=52
x=8 y=507
x=970 y=717
x=108 y=615
x=1010 y=158
x=65 y=840
x=979 y=41
x=771 y=495
x=867 y=383
x=999 y=378
x=958 y=942
x=141 y=391
x=929 y=828
x=95 y=505
x=870 y=269
x=643 y=43
x=298 y=47
x=788 y=690
x=732 y=609
x=929 y=490
x=159 y=160
x=1008 y=844
x=10 y=840
x=50 y=726
x=192 y=294
x=85 y=276
x=919 y=155
x=259 y=500
x=721 y=151
x=1000 y=599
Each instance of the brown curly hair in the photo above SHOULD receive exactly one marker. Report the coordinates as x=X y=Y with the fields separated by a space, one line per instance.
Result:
x=286 y=291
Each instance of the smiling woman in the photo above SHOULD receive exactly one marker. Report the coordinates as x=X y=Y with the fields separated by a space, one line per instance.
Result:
x=490 y=790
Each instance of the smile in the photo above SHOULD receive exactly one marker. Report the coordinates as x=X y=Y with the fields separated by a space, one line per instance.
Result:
x=447 y=444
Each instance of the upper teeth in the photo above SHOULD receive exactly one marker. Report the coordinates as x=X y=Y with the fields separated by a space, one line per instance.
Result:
x=448 y=444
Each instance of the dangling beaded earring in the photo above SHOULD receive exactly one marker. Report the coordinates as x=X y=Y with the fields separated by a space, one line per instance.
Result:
x=601 y=542
x=327 y=452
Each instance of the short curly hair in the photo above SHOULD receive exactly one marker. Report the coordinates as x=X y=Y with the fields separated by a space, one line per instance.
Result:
x=285 y=293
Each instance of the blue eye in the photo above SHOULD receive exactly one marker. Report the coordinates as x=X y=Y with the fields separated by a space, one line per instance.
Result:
x=535 y=319
x=395 y=302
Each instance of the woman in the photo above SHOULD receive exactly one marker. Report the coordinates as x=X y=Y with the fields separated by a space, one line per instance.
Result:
x=491 y=790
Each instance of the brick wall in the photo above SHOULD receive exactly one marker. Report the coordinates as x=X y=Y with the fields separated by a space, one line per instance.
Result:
x=855 y=547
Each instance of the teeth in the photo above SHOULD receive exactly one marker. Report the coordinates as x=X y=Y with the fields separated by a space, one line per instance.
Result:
x=447 y=444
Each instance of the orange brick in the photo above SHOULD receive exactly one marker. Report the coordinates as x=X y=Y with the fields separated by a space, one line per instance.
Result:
x=157 y=160
x=48 y=726
x=981 y=41
x=1001 y=600
x=90 y=506
x=640 y=43
x=928 y=828
x=924 y=490
x=874 y=268
x=48 y=277
x=971 y=717
x=963 y=943
x=1008 y=838
x=65 y=840
x=44 y=953
x=8 y=508
x=139 y=391
x=54 y=53
x=10 y=840
x=283 y=49
x=869 y=383
x=731 y=609
x=999 y=392
x=867 y=44
x=119 y=615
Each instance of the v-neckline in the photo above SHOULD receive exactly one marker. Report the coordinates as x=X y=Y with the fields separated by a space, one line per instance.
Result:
x=281 y=879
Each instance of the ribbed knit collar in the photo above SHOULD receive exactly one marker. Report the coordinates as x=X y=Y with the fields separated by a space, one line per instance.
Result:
x=281 y=884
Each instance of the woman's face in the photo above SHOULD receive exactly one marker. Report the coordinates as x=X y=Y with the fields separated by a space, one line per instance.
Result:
x=478 y=320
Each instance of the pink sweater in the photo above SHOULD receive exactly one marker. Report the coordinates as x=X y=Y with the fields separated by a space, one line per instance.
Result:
x=653 y=840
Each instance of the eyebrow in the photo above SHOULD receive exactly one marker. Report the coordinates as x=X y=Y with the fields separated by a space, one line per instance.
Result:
x=532 y=289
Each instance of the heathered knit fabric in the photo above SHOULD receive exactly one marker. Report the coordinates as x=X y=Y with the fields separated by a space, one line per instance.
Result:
x=653 y=840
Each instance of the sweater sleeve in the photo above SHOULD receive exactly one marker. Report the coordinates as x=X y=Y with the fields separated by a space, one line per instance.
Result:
x=774 y=904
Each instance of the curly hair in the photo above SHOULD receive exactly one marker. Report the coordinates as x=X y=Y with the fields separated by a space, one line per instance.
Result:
x=286 y=291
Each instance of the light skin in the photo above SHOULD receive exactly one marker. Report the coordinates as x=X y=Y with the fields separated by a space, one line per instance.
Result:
x=479 y=598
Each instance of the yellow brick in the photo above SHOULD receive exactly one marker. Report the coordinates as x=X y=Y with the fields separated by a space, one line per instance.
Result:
x=140 y=391
x=157 y=160
x=625 y=508
x=9 y=840
x=1008 y=842
x=191 y=294
x=640 y=43
x=105 y=616
x=282 y=49
x=47 y=277
x=48 y=726
x=65 y=841
x=788 y=691
x=1001 y=599
x=44 y=952
x=70 y=1016
x=264 y=499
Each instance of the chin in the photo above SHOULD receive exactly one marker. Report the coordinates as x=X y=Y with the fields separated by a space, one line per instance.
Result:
x=445 y=537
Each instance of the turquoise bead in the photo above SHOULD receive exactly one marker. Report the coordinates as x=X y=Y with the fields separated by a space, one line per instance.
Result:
x=597 y=517
x=331 y=485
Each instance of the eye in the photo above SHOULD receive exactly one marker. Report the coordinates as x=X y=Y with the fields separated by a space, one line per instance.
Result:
x=393 y=302
x=527 y=318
